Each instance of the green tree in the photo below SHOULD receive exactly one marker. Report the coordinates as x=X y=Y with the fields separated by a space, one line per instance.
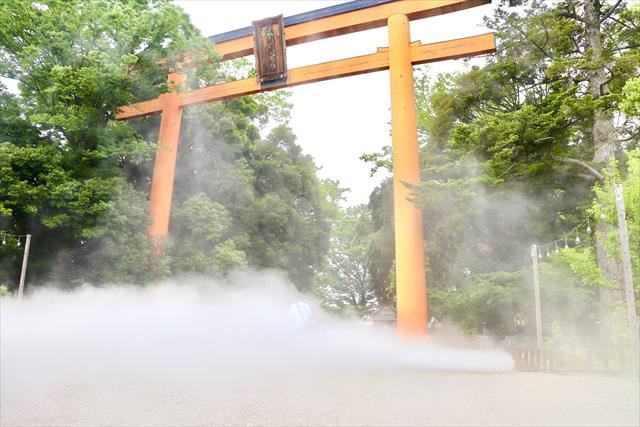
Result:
x=511 y=151
x=631 y=97
x=202 y=227
x=581 y=55
x=78 y=180
x=275 y=203
x=604 y=209
x=382 y=249
x=68 y=168
x=346 y=283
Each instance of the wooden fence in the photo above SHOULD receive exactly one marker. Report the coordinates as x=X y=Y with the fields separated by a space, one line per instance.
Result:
x=536 y=359
x=611 y=359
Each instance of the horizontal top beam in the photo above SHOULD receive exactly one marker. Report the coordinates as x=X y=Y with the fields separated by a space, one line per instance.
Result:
x=420 y=54
x=339 y=20
x=301 y=18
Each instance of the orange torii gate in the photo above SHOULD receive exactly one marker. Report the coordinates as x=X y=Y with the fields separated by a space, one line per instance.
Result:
x=269 y=39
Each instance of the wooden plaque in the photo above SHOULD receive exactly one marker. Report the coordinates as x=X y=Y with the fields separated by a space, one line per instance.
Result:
x=270 y=49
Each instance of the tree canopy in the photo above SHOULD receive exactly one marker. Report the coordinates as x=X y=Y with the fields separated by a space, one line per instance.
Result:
x=522 y=150
x=78 y=180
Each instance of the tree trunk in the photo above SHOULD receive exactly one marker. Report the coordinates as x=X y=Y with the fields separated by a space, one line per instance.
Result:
x=602 y=130
x=605 y=145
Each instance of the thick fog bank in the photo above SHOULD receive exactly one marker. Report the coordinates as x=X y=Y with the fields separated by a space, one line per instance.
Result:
x=198 y=328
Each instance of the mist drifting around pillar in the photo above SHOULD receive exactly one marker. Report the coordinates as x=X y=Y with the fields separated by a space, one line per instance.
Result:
x=198 y=328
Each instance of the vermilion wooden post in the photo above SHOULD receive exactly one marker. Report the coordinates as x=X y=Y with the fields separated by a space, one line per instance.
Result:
x=165 y=163
x=410 y=272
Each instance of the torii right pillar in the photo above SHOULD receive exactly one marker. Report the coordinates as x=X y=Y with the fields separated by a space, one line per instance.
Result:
x=411 y=292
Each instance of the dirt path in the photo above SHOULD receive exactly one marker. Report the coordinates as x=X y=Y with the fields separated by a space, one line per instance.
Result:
x=331 y=397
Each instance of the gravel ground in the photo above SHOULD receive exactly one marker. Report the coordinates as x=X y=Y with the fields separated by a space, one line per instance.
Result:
x=330 y=396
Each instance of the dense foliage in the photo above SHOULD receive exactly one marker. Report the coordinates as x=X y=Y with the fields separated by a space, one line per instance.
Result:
x=522 y=150
x=78 y=180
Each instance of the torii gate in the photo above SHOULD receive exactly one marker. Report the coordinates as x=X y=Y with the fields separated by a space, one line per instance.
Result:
x=270 y=36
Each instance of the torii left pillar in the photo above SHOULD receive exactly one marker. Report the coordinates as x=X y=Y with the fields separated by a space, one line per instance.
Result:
x=165 y=164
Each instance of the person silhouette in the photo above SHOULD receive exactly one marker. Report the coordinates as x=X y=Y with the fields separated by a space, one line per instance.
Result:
x=299 y=314
x=367 y=320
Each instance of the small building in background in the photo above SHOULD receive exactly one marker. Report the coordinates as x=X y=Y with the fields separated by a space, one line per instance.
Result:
x=385 y=316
